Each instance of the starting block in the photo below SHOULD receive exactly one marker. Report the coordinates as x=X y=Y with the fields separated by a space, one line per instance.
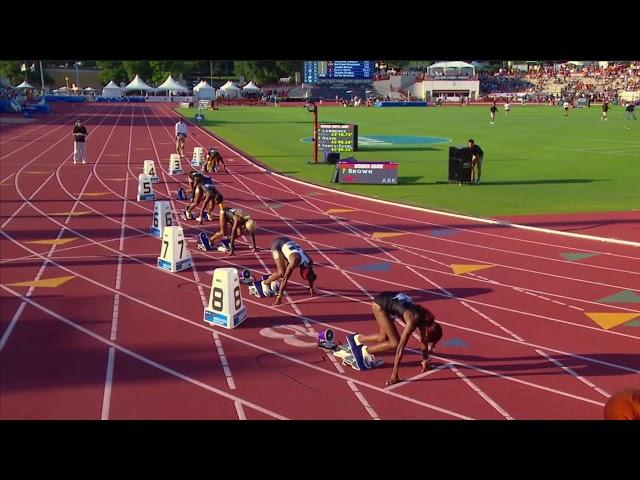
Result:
x=326 y=340
x=198 y=157
x=245 y=276
x=187 y=216
x=225 y=245
x=150 y=169
x=145 y=190
x=174 y=253
x=203 y=242
x=161 y=218
x=175 y=165
x=181 y=194
x=225 y=308
x=356 y=360
x=257 y=288
x=343 y=351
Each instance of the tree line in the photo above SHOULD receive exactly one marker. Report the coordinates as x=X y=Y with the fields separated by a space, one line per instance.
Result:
x=156 y=71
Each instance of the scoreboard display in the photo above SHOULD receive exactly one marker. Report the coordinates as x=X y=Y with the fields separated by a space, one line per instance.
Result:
x=337 y=137
x=316 y=71
x=372 y=173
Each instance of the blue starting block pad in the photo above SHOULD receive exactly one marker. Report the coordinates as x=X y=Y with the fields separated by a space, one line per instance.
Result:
x=182 y=195
x=356 y=359
x=356 y=353
x=203 y=242
x=258 y=288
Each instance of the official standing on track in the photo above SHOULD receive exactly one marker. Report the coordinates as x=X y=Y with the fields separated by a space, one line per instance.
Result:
x=181 y=136
x=79 y=142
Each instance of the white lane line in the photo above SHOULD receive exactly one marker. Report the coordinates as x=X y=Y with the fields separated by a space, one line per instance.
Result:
x=144 y=359
x=486 y=397
x=573 y=373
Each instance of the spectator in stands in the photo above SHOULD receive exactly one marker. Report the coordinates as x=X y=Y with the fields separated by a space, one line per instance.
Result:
x=477 y=157
x=79 y=143
x=181 y=136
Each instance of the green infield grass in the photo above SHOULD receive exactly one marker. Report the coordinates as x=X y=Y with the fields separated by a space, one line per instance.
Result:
x=536 y=161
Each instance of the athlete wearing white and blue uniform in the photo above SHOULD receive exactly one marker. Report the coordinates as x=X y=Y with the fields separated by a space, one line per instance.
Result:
x=288 y=255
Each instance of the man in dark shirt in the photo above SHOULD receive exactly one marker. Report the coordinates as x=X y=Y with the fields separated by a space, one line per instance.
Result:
x=476 y=161
x=79 y=143
x=493 y=111
x=605 y=109
x=630 y=113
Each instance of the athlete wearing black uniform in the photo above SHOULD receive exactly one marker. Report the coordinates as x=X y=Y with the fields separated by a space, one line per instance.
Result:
x=387 y=305
x=213 y=161
x=202 y=187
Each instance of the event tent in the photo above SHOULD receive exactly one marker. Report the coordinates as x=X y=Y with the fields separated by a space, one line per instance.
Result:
x=251 y=87
x=448 y=68
x=112 y=90
x=25 y=84
x=171 y=85
x=205 y=91
x=138 y=84
x=229 y=90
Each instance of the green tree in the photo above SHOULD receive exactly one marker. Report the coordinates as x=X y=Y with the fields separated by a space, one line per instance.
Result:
x=177 y=68
x=11 y=69
x=112 y=70
x=138 y=67
x=266 y=71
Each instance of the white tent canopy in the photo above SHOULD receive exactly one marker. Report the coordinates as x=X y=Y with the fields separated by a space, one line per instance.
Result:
x=111 y=90
x=138 y=84
x=449 y=67
x=229 y=90
x=205 y=91
x=25 y=84
x=251 y=87
x=171 y=84
x=229 y=86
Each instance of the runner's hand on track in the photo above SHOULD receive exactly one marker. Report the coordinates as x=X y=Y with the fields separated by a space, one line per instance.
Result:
x=278 y=300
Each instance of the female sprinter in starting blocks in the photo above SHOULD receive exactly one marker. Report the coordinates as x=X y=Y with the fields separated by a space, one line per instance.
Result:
x=213 y=161
x=387 y=305
x=239 y=222
x=288 y=255
x=197 y=184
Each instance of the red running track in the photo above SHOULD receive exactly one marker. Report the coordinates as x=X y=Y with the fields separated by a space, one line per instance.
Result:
x=118 y=338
